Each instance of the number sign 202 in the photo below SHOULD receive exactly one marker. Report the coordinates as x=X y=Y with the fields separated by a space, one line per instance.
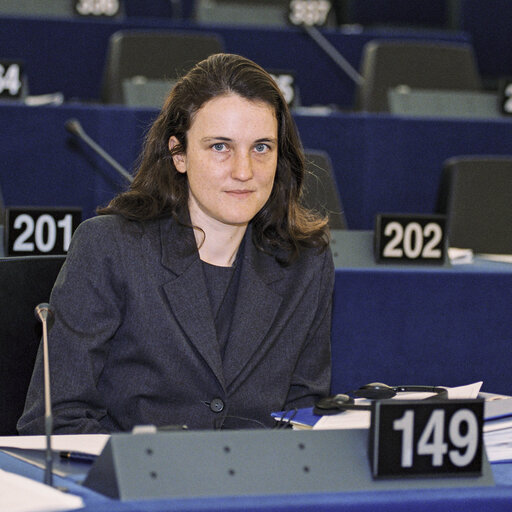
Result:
x=401 y=238
x=421 y=437
x=39 y=231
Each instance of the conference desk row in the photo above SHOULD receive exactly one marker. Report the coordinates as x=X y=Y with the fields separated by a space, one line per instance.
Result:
x=68 y=56
x=495 y=498
x=51 y=48
x=382 y=163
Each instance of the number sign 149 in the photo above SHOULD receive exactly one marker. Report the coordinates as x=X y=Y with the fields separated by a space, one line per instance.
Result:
x=426 y=437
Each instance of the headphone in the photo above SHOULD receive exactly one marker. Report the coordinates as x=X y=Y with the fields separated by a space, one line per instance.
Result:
x=374 y=391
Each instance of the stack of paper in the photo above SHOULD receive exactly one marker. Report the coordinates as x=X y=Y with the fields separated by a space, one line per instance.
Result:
x=21 y=494
x=498 y=428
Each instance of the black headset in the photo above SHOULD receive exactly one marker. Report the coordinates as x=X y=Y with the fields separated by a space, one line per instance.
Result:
x=374 y=391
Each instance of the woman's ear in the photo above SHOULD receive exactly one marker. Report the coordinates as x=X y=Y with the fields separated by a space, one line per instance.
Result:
x=179 y=159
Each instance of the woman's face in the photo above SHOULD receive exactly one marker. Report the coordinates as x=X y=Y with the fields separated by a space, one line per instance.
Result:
x=231 y=160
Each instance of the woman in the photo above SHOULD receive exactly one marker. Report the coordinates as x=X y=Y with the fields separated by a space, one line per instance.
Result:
x=202 y=295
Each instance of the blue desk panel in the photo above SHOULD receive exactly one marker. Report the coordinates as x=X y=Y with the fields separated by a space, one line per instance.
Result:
x=478 y=499
x=433 y=327
x=69 y=55
x=382 y=163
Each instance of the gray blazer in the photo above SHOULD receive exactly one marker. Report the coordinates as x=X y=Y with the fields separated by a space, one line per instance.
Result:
x=134 y=340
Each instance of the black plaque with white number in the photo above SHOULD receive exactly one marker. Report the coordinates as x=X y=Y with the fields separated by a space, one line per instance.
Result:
x=426 y=438
x=106 y=8
x=11 y=79
x=404 y=238
x=39 y=231
x=309 y=12
x=285 y=80
x=505 y=95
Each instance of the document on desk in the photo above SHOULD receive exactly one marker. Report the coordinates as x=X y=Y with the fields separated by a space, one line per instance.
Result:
x=85 y=443
x=361 y=419
x=21 y=494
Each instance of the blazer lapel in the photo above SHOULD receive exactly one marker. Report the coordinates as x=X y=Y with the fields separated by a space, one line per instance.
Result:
x=187 y=294
x=256 y=307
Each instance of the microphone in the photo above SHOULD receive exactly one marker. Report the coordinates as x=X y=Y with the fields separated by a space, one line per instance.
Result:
x=73 y=126
x=43 y=313
x=333 y=53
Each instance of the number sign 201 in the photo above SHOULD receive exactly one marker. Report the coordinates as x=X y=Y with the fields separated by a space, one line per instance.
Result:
x=426 y=437
x=37 y=231
x=405 y=238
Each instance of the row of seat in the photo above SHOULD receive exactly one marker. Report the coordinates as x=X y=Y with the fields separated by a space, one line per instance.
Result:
x=130 y=77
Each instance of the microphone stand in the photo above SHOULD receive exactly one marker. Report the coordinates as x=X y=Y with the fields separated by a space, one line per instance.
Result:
x=73 y=126
x=42 y=312
x=333 y=53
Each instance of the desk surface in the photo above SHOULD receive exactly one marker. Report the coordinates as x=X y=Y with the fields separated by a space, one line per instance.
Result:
x=498 y=498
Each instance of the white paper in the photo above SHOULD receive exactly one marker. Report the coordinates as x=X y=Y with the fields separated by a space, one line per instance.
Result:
x=498 y=444
x=502 y=258
x=460 y=256
x=361 y=419
x=87 y=443
x=21 y=494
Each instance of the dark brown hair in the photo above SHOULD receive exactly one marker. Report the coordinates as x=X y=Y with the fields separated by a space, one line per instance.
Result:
x=159 y=190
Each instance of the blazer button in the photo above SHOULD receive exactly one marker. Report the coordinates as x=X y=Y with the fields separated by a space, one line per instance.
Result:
x=216 y=405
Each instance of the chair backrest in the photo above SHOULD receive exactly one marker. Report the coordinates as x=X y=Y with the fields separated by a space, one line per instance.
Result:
x=320 y=188
x=154 y=56
x=2 y=217
x=475 y=193
x=416 y=64
x=442 y=103
x=25 y=282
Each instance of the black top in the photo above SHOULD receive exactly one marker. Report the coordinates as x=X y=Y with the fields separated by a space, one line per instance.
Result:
x=222 y=286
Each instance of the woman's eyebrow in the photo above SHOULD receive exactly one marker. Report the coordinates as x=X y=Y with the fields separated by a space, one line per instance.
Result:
x=272 y=140
x=209 y=138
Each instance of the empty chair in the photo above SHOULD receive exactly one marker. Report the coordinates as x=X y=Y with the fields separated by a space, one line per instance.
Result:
x=2 y=217
x=320 y=188
x=25 y=282
x=476 y=195
x=151 y=60
x=415 y=64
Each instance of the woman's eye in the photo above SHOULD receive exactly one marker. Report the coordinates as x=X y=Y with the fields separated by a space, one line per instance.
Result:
x=219 y=146
x=261 y=148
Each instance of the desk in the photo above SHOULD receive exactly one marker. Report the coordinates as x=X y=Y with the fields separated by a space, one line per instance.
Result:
x=69 y=55
x=495 y=499
x=435 y=326
x=382 y=163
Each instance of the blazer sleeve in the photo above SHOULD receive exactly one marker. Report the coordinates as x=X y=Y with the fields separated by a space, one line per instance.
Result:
x=311 y=378
x=87 y=303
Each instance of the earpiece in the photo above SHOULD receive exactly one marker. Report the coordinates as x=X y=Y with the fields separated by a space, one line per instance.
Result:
x=373 y=391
